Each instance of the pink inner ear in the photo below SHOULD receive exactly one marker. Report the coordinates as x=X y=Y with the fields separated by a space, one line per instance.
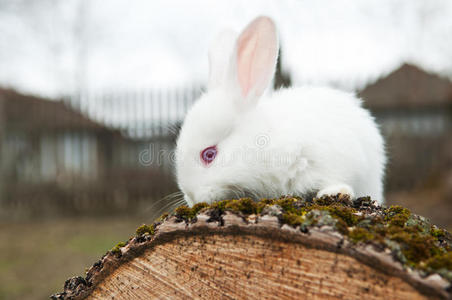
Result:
x=257 y=49
x=246 y=51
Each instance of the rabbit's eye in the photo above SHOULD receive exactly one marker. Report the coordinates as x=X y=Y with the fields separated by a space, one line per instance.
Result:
x=208 y=154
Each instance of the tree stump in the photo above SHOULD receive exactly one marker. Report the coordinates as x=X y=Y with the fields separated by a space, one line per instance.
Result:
x=287 y=248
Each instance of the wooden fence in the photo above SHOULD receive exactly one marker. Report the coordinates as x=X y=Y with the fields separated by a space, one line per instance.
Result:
x=96 y=153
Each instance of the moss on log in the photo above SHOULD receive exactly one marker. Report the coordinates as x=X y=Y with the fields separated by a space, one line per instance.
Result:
x=284 y=248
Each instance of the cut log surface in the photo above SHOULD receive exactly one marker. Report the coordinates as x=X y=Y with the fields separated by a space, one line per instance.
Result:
x=233 y=256
x=247 y=267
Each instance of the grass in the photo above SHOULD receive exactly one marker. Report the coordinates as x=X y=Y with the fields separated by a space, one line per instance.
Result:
x=36 y=257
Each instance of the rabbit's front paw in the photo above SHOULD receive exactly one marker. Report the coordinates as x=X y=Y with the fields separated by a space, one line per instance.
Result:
x=333 y=190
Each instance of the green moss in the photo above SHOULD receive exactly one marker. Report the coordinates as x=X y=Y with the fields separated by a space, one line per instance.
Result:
x=117 y=249
x=220 y=205
x=396 y=209
x=397 y=215
x=293 y=219
x=437 y=232
x=184 y=212
x=287 y=204
x=263 y=203
x=342 y=227
x=163 y=217
x=324 y=201
x=416 y=247
x=336 y=211
x=244 y=205
x=440 y=261
x=361 y=235
x=143 y=229
x=198 y=207
x=346 y=214
x=420 y=223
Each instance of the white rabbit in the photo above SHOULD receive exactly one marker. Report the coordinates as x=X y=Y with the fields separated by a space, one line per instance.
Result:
x=235 y=141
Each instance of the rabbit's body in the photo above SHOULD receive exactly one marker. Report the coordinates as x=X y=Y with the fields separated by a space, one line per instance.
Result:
x=292 y=142
x=324 y=138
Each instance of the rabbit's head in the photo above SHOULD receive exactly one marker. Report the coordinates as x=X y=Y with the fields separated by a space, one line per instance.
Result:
x=241 y=67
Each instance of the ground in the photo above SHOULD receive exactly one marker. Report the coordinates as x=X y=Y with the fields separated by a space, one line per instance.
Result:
x=36 y=257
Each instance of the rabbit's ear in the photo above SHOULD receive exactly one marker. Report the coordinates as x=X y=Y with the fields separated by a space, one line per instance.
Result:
x=220 y=58
x=256 y=55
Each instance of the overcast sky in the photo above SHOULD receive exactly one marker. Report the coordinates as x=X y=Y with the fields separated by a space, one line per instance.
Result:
x=54 y=47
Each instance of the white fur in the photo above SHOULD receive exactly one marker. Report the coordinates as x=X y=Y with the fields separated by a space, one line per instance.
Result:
x=293 y=142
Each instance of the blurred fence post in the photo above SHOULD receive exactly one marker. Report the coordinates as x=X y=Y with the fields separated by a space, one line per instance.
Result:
x=2 y=145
